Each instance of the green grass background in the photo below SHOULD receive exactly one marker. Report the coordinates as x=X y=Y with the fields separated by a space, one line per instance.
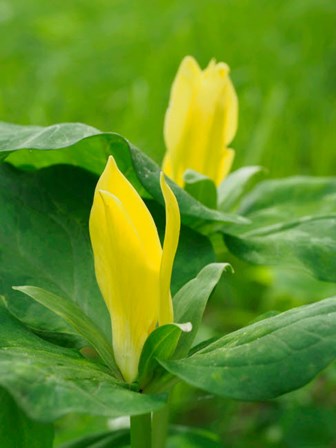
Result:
x=110 y=64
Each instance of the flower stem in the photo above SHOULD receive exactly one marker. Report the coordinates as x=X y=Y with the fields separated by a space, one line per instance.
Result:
x=141 y=431
x=160 y=421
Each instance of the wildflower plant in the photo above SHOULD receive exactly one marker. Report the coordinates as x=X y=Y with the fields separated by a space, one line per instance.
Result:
x=107 y=265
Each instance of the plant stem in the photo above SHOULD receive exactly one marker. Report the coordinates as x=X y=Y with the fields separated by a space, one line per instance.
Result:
x=141 y=431
x=160 y=422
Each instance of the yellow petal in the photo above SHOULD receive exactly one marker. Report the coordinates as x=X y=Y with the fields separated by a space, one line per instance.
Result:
x=181 y=97
x=231 y=111
x=201 y=120
x=167 y=165
x=224 y=165
x=171 y=238
x=127 y=256
x=179 y=115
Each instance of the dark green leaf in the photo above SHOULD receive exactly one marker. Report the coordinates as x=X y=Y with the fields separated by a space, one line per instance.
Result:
x=48 y=381
x=74 y=316
x=307 y=244
x=44 y=241
x=265 y=359
x=293 y=224
x=201 y=188
x=87 y=147
x=17 y=430
x=190 y=302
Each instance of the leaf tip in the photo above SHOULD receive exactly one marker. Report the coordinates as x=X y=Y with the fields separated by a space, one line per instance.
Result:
x=186 y=327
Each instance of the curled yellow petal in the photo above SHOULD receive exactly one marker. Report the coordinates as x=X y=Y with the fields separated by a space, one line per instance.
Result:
x=201 y=120
x=132 y=270
x=170 y=243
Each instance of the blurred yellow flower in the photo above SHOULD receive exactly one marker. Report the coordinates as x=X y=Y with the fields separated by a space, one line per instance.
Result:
x=200 y=122
x=132 y=269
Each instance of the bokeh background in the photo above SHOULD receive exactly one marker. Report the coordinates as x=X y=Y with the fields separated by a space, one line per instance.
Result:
x=110 y=64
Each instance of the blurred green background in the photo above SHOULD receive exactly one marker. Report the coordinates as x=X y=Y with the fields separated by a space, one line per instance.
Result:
x=110 y=64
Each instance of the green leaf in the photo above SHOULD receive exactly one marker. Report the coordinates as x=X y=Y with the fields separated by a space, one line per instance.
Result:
x=44 y=241
x=87 y=147
x=160 y=345
x=17 y=430
x=190 y=301
x=48 y=326
x=48 y=381
x=292 y=223
x=201 y=188
x=290 y=198
x=306 y=244
x=235 y=185
x=265 y=359
x=74 y=316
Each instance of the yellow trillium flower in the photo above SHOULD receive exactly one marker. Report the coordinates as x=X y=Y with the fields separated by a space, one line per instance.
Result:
x=200 y=122
x=132 y=269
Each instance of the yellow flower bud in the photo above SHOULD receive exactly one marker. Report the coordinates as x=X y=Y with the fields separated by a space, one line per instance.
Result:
x=132 y=269
x=200 y=122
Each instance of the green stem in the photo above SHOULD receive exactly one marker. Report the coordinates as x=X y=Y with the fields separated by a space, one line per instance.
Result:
x=141 y=431
x=160 y=423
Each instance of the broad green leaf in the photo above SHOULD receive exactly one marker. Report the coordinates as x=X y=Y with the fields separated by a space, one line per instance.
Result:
x=17 y=430
x=48 y=381
x=44 y=242
x=286 y=199
x=292 y=223
x=74 y=316
x=48 y=326
x=235 y=185
x=190 y=302
x=87 y=147
x=160 y=345
x=307 y=244
x=265 y=359
x=201 y=188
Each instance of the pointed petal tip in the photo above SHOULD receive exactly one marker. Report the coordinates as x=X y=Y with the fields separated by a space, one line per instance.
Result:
x=223 y=69
x=189 y=66
x=111 y=163
x=162 y=179
x=212 y=64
